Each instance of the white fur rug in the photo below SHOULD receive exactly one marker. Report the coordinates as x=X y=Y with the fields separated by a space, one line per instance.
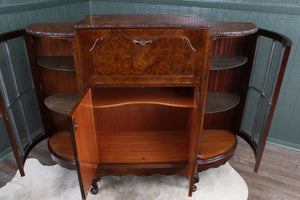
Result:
x=56 y=183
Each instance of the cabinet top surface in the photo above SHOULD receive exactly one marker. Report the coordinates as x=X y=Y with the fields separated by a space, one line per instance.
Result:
x=66 y=30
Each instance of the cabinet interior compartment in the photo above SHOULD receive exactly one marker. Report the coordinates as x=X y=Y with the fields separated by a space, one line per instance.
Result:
x=130 y=122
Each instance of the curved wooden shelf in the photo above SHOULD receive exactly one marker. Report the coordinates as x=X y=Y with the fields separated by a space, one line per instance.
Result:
x=220 y=62
x=216 y=148
x=61 y=103
x=220 y=102
x=60 y=147
x=111 y=97
x=61 y=63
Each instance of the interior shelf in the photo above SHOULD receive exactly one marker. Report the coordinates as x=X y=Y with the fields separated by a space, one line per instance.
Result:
x=61 y=103
x=60 y=146
x=220 y=62
x=111 y=97
x=221 y=101
x=133 y=146
x=216 y=142
x=62 y=63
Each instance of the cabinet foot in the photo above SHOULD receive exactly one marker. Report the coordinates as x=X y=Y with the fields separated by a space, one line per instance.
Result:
x=196 y=180
x=94 y=188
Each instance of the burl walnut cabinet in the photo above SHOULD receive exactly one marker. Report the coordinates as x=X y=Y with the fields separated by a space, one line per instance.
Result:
x=148 y=94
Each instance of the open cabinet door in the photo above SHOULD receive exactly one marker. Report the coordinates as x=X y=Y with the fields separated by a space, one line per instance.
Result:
x=271 y=56
x=18 y=102
x=84 y=142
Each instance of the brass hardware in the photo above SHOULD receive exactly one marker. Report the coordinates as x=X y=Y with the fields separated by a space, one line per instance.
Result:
x=75 y=126
x=142 y=42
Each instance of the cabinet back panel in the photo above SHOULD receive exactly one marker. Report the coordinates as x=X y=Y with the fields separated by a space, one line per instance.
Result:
x=52 y=47
x=140 y=117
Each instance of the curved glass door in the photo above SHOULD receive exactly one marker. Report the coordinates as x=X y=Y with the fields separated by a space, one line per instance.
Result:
x=19 y=108
x=271 y=55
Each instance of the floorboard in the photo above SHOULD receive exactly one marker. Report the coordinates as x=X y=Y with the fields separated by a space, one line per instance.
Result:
x=278 y=177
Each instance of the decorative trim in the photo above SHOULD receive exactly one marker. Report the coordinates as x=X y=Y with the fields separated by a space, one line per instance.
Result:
x=271 y=8
x=36 y=5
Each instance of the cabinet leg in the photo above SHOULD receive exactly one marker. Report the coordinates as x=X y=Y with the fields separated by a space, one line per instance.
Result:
x=94 y=188
x=196 y=180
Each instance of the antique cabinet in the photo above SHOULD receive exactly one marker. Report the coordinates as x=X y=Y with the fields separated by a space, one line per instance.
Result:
x=153 y=93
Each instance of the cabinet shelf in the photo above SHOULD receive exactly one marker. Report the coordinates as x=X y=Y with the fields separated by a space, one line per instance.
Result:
x=221 y=101
x=216 y=101
x=60 y=146
x=220 y=62
x=61 y=103
x=111 y=97
x=61 y=63
x=215 y=142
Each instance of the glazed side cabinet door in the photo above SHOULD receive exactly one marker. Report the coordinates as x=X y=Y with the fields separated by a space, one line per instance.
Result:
x=84 y=142
x=270 y=59
x=18 y=101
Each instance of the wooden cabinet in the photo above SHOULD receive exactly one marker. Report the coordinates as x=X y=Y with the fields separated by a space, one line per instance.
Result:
x=149 y=93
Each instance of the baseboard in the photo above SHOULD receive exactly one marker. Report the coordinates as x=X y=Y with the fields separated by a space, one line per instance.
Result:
x=283 y=143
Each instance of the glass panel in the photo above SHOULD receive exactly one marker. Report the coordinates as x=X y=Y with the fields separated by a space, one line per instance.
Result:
x=261 y=121
x=250 y=111
x=274 y=68
x=4 y=141
x=20 y=64
x=6 y=73
x=32 y=114
x=261 y=62
x=15 y=117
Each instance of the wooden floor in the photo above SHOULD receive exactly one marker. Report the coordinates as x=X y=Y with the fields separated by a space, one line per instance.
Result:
x=277 y=179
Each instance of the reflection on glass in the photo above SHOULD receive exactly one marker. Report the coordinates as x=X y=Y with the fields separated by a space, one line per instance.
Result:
x=9 y=86
x=250 y=111
x=20 y=64
x=261 y=62
x=32 y=114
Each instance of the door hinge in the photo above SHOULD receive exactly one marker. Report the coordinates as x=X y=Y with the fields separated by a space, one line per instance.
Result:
x=75 y=126
x=5 y=115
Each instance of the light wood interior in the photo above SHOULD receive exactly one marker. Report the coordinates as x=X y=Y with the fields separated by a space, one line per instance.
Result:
x=215 y=142
x=110 y=97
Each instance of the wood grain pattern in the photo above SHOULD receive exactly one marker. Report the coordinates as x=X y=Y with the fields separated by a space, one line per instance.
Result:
x=63 y=63
x=120 y=56
x=142 y=146
x=84 y=139
x=110 y=97
x=60 y=146
x=154 y=70
x=215 y=142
